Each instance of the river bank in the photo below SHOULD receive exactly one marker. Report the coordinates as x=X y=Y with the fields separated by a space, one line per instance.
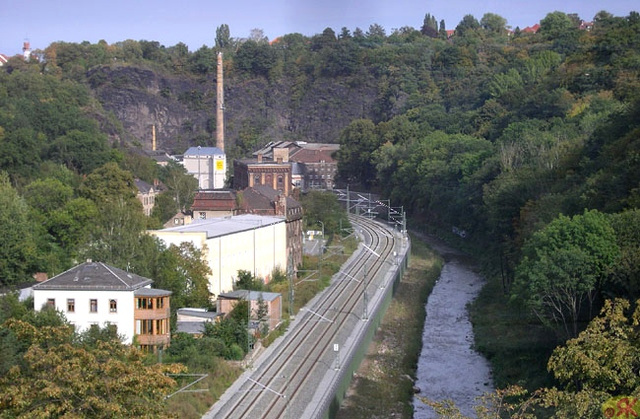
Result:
x=384 y=384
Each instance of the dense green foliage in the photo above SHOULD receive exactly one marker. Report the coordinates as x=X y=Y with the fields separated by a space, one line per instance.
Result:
x=48 y=370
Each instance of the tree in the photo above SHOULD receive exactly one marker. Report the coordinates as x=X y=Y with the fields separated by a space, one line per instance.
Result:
x=261 y=316
x=429 y=26
x=255 y=59
x=467 y=25
x=625 y=277
x=223 y=37
x=257 y=35
x=442 y=32
x=246 y=281
x=17 y=243
x=357 y=143
x=605 y=356
x=60 y=378
x=203 y=61
x=376 y=33
x=324 y=206
x=181 y=190
x=47 y=195
x=116 y=235
x=562 y=30
x=493 y=23
x=184 y=271
x=564 y=266
x=109 y=183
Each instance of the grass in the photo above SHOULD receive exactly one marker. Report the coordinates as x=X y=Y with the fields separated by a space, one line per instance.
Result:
x=383 y=385
x=195 y=404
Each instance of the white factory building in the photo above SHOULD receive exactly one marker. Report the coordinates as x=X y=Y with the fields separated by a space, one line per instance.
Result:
x=208 y=165
x=253 y=243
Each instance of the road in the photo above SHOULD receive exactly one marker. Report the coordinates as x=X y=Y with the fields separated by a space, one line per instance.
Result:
x=297 y=375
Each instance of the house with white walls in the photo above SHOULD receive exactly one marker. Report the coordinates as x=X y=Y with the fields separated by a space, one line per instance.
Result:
x=94 y=293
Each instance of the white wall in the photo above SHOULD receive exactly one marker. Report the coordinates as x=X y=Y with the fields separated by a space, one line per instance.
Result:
x=209 y=170
x=83 y=318
x=258 y=251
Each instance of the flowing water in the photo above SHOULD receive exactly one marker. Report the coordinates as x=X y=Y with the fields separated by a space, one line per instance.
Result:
x=449 y=368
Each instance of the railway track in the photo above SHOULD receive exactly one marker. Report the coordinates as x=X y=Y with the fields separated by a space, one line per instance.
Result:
x=296 y=369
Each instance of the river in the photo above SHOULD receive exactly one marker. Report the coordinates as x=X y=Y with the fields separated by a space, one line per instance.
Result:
x=448 y=367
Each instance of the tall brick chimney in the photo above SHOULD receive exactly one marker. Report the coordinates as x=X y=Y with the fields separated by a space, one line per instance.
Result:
x=220 y=106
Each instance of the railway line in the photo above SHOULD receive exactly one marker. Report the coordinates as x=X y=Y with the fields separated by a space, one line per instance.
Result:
x=296 y=376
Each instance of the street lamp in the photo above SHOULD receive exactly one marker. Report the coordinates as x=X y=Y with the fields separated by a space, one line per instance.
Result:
x=321 y=223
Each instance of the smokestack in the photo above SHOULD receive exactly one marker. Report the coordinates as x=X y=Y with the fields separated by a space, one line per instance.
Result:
x=220 y=106
x=153 y=137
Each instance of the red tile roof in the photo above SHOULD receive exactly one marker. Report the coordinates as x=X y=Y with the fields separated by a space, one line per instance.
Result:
x=214 y=201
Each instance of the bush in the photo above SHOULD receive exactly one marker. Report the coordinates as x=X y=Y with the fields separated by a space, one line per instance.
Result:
x=235 y=352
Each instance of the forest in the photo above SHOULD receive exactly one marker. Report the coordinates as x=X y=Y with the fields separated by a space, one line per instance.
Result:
x=526 y=145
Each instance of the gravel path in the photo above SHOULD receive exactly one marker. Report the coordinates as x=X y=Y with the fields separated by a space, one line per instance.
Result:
x=448 y=367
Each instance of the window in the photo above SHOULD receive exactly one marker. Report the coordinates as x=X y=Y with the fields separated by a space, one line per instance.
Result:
x=93 y=305
x=144 y=303
x=71 y=305
x=113 y=306
x=161 y=327
x=160 y=302
x=203 y=215
x=51 y=302
x=144 y=327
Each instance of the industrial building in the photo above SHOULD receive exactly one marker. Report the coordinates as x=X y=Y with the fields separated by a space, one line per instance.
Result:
x=249 y=242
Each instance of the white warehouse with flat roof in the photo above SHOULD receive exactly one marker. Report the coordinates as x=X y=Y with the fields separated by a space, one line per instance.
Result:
x=253 y=243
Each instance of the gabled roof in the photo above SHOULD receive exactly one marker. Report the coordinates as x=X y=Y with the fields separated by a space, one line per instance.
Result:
x=314 y=155
x=252 y=200
x=203 y=151
x=143 y=187
x=261 y=197
x=267 y=150
x=95 y=276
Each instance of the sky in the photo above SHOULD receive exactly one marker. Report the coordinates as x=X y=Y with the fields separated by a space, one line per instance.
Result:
x=194 y=22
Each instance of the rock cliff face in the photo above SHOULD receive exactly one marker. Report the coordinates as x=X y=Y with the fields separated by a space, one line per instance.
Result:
x=256 y=111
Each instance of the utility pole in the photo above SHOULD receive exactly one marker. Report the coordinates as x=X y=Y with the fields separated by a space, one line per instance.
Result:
x=291 y=289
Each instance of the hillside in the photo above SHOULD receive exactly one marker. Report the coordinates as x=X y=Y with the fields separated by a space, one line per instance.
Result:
x=183 y=107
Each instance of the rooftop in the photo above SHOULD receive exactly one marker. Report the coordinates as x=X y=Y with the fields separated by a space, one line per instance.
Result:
x=95 y=276
x=203 y=151
x=217 y=227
